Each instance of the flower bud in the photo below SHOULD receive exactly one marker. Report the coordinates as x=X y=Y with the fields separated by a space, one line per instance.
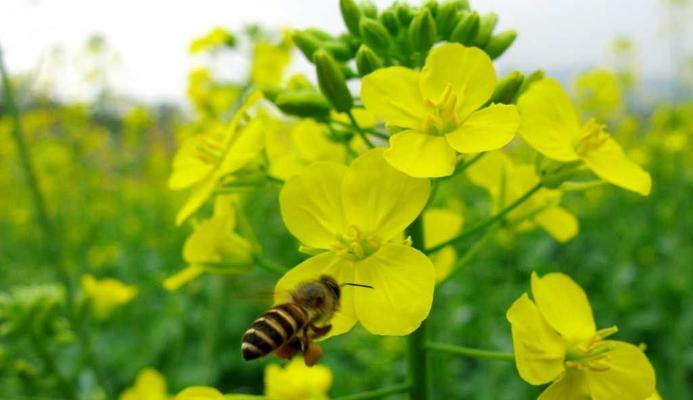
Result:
x=332 y=82
x=499 y=43
x=339 y=50
x=448 y=16
x=390 y=21
x=405 y=14
x=432 y=6
x=304 y=103
x=422 y=31
x=367 y=61
x=466 y=28
x=507 y=88
x=486 y=24
x=374 y=34
x=305 y=42
x=529 y=79
x=351 y=13
x=369 y=9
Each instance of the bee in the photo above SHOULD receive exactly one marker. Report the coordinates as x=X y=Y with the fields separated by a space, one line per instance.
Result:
x=291 y=327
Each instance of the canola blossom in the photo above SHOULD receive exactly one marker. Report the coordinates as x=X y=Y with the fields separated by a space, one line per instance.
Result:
x=439 y=110
x=555 y=341
x=550 y=125
x=355 y=215
x=107 y=294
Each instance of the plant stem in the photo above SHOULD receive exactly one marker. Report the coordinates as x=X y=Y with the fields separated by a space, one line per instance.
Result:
x=360 y=131
x=485 y=224
x=461 y=167
x=372 y=131
x=378 y=393
x=470 y=352
x=469 y=255
x=419 y=360
x=269 y=265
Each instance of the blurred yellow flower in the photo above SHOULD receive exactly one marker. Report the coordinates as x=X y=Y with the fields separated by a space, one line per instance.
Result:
x=107 y=294
x=215 y=39
x=496 y=173
x=214 y=246
x=441 y=225
x=355 y=216
x=598 y=92
x=296 y=381
x=437 y=108
x=550 y=125
x=269 y=62
x=199 y=393
x=149 y=385
x=204 y=159
x=555 y=340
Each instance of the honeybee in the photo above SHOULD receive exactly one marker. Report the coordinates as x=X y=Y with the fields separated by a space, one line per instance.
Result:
x=291 y=327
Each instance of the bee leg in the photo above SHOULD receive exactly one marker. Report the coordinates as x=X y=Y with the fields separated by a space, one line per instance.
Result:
x=290 y=348
x=312 y=354
x=320 y=331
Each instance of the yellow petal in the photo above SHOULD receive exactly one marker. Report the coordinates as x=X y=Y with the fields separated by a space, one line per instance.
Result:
x=311 y=270
x=420 y=155
x=558 y=222
x=199 y=393
x=488 y=172
x=443 y=262
x=565 y=306
x=611 y=164
x=183 y=276
x=548 y=121
x=393 y=94
x=572 y=386
x=441 y=225
x=311 y=144
x=539 y=350
x=199 y=193
x=245 y=148
x=311 y=204
x=297 y=381
x=468 y=71
x=188 y=167
x=149 y=385
x=487 y=129
x=378 y=199
x=629 y=377
x=402 y=280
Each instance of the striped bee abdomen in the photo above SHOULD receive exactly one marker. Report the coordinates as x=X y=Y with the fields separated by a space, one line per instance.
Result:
x=273 y=329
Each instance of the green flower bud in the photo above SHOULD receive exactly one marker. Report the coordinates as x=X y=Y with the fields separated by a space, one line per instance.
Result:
x=529 y=79
x=369 y=9
x=486 y=25
x=319 y=34
x=405 y=14
x=390 y=21
x=432 y=6
x=332 y=82
x=305 y=42
x=304 y=103
x=339 y=50
x=422 y=31
x=466 y=28
x=351 y=13
x=447 y=17
x=374 y=34
x=499 y=43
x=367 y=61
x=507 y=88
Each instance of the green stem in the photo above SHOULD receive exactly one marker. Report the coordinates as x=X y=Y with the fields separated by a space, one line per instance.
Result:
x=470 y=352
x=461 y=167
x=269 y=265
x=360 y=131
x=378 y=393
x=419 y=360
x=372 y=131
x=491 y=221
x=469 y=255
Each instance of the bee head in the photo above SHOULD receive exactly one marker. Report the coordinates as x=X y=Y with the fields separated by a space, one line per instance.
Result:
x=332 y=285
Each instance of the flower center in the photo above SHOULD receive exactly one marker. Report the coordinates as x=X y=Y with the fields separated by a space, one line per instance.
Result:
x=593 y=137
x=593 y=355
x=355 y=245
x=443 y=118
x=208 y=151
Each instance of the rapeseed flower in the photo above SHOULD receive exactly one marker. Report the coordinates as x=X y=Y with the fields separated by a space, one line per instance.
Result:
x=204 y=159
x=296 y=381
x=437 y=110
x=354 y=218
x=506 y=182
x=107 y=294
x=149 y=385
x=555 y=340
x=270 y=61
x=550 y=125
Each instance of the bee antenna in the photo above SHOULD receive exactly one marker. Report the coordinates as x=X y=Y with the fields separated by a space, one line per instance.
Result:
x=357 y=285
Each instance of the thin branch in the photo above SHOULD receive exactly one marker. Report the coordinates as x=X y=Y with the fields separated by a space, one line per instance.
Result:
x=360 y=131
x=378 y=393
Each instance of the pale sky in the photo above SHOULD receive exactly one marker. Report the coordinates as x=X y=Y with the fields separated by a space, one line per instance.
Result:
x=152 y=36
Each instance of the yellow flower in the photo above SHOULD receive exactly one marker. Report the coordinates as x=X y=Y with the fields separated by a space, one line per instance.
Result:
x=107 y=294
x=550 y=125
x=204 y=159
x=214 y=246
x=149 y=385
x=269 y=63
x=291 y=150
x=496 y=173
x=356 y=215
x=437 y=110
x=199 y=393
x=296 y=381
x=441 y=225
x=598 y=92
x=211 y=41
x=555 y=340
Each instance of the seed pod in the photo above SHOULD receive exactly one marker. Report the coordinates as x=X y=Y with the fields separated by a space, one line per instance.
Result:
x=374 y=34
x=466 y=28
x=367 y=61
x=390 y=21
x=422 y=31
x=351 y=13
x=447 y=17
x=304 y=103
x=305 y=42
x=507 y=88
x=332 y=82
x=486 y=24
x=497 y=45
